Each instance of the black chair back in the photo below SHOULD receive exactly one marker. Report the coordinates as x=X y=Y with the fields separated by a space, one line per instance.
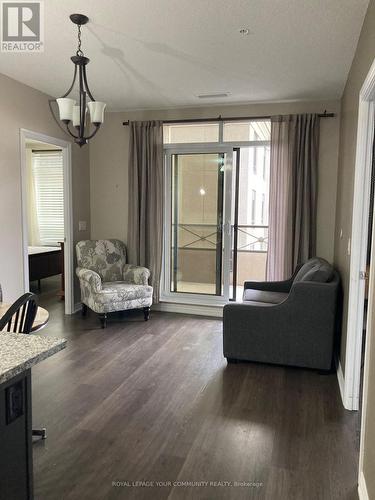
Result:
x=19 y=318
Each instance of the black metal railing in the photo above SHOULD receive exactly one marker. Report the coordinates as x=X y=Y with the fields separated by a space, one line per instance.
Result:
x=246 y=238
x=252 y=238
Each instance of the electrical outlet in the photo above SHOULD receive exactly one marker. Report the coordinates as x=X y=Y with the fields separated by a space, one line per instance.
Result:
x=14 y=402
x=82 y=225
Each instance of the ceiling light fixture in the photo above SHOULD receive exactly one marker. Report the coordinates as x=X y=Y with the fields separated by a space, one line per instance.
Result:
x=244 y=31
x=69 y=111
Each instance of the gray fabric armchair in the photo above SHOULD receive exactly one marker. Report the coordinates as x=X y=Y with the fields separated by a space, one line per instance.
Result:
x=107 y=282
x=291 y=322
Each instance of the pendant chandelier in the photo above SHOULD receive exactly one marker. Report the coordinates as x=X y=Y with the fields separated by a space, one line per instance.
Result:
x=71 y=113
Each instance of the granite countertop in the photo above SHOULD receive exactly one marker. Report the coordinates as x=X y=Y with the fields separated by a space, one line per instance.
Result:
x=19 y=352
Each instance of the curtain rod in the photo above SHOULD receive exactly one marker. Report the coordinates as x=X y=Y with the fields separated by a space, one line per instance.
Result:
x=230 y=119
x=46 y=150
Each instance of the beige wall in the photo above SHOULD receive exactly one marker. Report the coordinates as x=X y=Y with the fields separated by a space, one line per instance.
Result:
x=362 y=61
x=109 y=153
x=24 y=107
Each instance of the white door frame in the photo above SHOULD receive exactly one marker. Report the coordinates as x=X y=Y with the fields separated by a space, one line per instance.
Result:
x=68 y=212
x=359 y=237
x=362 y=487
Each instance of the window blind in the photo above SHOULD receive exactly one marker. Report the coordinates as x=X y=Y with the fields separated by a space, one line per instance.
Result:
x=47 y=168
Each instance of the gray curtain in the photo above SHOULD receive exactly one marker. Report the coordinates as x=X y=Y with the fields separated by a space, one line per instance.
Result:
x=293 y=193
x=145 y=219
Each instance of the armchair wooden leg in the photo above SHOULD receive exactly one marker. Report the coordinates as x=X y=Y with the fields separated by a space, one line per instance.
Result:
x=146 y=313
x=103 y=320
x=84 y=310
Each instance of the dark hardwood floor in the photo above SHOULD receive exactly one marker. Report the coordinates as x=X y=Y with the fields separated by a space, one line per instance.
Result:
x=156 y=402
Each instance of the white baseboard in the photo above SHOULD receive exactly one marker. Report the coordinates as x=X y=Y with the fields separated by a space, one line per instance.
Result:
x=348 y=402
x=341 y=380
x=362 y=488
x=214 y=311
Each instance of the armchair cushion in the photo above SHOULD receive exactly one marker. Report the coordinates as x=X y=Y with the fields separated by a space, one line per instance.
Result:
x=321 y=272
x=119 y=296
x=315 y=269
x=136 y=274
x=121 y=292
x=269 y=286
x=105 y=257
x=264 y=296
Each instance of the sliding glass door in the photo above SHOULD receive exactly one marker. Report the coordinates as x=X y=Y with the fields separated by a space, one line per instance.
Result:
x=199 y=224
x=216 y=209
x=249 y=216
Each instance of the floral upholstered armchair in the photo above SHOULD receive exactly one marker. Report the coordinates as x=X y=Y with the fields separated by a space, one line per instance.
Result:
x=107 y=282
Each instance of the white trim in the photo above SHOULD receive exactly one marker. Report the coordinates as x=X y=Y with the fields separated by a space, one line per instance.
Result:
x=362 y=488
x=68 y=226
x=68 y=211
x=192 y=146
x=227 y=222
x=359 y=236
x=214 y=311
x=341 y=382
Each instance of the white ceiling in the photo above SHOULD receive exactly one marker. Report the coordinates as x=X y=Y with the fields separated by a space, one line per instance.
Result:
x=163 y=53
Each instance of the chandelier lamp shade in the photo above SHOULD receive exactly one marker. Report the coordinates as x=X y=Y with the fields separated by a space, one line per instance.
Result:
x=73 y=112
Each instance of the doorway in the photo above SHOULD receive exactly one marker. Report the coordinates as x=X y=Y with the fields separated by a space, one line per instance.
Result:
x=367 y=273
x=351 y=384
x=46 y=211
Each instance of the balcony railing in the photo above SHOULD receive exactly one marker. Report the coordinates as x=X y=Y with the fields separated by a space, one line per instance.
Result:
x=250 y=237
x=195 y=267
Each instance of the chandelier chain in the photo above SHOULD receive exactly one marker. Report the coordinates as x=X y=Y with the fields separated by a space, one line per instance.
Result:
x=79 y=50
